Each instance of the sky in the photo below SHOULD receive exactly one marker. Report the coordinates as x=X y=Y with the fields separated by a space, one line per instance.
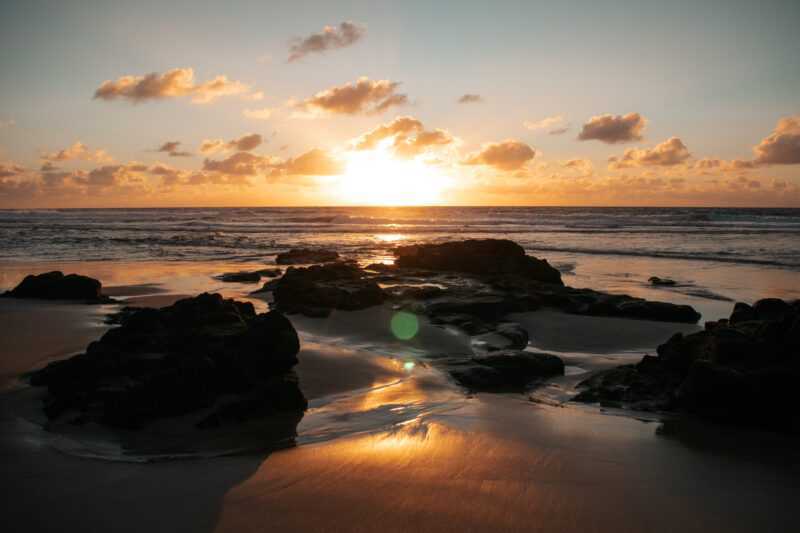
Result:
x=106 y=103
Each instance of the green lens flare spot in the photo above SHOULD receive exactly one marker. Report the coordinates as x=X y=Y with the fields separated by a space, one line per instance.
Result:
x=404 y=325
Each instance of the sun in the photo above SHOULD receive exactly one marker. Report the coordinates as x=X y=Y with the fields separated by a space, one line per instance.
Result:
x=377 y=177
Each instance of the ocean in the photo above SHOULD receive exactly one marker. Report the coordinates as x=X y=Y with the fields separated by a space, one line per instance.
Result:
x=749 y=236
x=717 y=255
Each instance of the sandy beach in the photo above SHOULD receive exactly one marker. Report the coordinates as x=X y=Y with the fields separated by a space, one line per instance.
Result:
x=389 y=442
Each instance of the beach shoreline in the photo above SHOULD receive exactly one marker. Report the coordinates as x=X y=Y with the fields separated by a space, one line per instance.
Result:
x=391 y=442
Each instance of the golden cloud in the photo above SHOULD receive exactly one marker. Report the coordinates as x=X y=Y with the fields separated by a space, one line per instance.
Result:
x=782 y=146
x=171 y=84
x=556 y=124
x=78 y=151
x=365 y=96
x=505 y=155
x=669 y=153
x=245 y=143
x=612 y=129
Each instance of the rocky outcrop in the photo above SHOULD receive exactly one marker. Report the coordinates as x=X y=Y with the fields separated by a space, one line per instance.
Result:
x=741 y=370
x=204 y=354
x=317 y=290
x=306 y=256
x=512 y=371
x=56 y=286
x=478 y=256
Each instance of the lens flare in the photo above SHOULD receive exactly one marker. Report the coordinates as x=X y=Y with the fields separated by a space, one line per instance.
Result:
x=404 y=325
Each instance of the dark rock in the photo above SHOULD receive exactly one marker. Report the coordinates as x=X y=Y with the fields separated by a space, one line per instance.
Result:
x=772 y=309
x=486 y=306
x=505 y=336
x=662 y=282
x=742 y=313
x=470 y=324
x=56 y=286
x=240 y=277
x=380 y=267
x=269 y=272
x=267 y=287
x=505 y=371
x=178 y=360
x=661 y=311
x=481 y=257
x=420 y=292
x=318 y=289
x=305 y=256
x=742 y=371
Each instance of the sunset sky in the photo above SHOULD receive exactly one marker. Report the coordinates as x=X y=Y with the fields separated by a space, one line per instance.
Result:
x=107 y=104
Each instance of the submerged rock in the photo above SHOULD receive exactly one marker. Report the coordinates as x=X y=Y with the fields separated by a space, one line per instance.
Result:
x=478 y=256
x=249 y=277
x=662 y=282
x=742 y=370
x=504 y=371
x=297 y=256
x=178 y=360
x=56 y=286
x=316 y=290
x=240 y=277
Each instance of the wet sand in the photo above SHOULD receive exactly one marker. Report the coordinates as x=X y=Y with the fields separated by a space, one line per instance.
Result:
x=391 y=444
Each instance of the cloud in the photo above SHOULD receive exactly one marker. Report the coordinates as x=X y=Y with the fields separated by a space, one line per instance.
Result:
x=169 y=176
x=669 y=153
x=505 y=155
x=613 y=129
x=242 y=144
x=782 y=146
x=258 y=114
x=315 y=162
x=422 y=141
x=254 y=96
x=470 y=99
x=581 y=165
x=8 y=170
x=240 y=163
x=108 y=176
x=174 y=83
x=330 y=38
x=172 y=148
x=77 y=151
x=410 y=137
x=398 y=126
x=556 y=124
x=365 y=96
x=710 y=164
